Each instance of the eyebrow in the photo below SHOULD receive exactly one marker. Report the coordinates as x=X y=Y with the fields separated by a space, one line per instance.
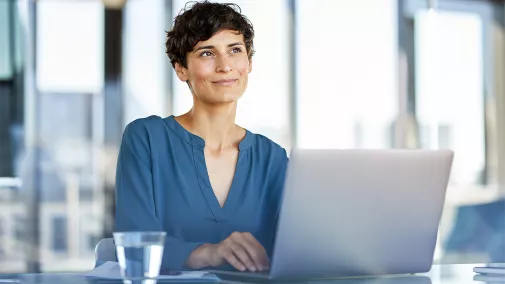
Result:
x=211 y=46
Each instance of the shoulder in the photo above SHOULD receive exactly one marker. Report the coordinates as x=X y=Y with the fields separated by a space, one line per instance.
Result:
x=264 y=146
x=266 y=143
x=143 y=126
x=141 y=133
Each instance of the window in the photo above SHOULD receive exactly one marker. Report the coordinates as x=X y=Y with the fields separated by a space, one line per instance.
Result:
x=346 y=62
x=5 y=33
x=450 y=89
x=19 y=228
x=2 y=228
x=143 y=45
x=59 y=234
x=70 y=46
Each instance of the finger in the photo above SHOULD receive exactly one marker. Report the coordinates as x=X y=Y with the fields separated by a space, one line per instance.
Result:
x=260 y=252
x=234 y=261
x=255 y=251
x=255 y=242
x=240 y=252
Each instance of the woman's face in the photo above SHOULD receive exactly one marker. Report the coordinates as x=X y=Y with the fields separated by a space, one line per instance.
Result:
x=217 y=68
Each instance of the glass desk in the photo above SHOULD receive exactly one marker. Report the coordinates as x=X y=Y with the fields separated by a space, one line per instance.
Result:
x=439 y=274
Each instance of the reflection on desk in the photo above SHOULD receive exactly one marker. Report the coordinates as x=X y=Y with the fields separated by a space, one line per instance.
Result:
x=386 y=280
x=439 y=274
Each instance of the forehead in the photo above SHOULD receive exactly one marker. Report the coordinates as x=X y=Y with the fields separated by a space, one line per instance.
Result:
x=223 y=37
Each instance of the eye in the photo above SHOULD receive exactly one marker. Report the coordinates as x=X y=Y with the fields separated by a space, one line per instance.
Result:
x=236 y=50
x=206 y=54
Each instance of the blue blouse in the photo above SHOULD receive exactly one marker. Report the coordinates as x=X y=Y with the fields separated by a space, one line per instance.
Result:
x=162 y=184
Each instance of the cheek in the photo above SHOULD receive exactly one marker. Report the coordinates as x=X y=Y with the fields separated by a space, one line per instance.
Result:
x=201 y=72
x=243 y=66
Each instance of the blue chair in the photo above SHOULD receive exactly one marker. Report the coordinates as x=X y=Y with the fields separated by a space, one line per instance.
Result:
x=105 y=251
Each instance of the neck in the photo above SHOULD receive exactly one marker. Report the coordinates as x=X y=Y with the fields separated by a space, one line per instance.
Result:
x=213 y=123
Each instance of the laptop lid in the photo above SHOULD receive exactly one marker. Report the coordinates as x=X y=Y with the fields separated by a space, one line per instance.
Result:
x=360 y=212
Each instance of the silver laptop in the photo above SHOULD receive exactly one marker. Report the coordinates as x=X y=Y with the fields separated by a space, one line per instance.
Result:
x=358 y=213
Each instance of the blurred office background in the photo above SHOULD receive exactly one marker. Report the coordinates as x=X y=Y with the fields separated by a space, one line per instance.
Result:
x=327 y=74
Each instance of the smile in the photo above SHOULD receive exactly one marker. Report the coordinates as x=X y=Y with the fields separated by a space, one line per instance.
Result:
x=226 y=82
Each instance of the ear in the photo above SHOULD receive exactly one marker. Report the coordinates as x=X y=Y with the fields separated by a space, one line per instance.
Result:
x=250 y=65
x=181 y=72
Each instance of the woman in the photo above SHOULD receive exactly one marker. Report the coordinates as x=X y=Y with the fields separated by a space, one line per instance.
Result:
x=213 y=186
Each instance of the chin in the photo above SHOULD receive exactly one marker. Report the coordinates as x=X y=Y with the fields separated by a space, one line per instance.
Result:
x=226 y=98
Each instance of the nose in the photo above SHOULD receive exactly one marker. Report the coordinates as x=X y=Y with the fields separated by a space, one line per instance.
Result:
x=223 y=64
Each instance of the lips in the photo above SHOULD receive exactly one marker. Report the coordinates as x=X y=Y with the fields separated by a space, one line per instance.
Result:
x=225 y=82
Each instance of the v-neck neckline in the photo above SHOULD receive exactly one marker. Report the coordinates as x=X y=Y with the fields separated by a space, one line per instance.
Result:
x=220 y=213
x=236 y=188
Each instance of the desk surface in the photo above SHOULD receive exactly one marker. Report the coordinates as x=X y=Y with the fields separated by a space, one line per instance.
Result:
x=439 y=274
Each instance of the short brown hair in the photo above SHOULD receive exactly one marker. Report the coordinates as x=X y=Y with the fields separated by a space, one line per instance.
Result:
x=199 y=22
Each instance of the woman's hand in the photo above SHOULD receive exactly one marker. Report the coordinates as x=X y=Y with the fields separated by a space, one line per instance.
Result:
x=240 y=250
